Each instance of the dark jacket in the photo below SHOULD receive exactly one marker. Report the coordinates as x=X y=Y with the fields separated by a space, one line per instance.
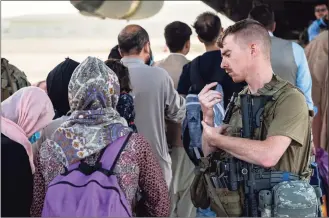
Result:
x=204 y=70
x=16 y=179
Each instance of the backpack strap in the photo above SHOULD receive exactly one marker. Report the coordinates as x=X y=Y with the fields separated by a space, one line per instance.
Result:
x=112 y=153
x=107 y=160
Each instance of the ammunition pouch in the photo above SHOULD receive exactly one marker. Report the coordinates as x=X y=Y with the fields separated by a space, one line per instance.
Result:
x=198 y=190
x=279 y=193
x=223 y=202
x=295 y=198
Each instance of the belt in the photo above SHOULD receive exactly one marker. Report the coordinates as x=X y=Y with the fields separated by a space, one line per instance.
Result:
x=264 y=180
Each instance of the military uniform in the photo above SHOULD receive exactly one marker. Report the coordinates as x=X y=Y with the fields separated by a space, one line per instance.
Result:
x=286 y=115
x=12 y=79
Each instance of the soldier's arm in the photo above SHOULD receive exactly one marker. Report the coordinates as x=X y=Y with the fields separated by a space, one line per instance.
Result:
x=290 y=123
x=263 y=153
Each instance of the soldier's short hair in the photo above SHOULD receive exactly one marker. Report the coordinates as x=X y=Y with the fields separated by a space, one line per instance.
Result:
x=248 y=30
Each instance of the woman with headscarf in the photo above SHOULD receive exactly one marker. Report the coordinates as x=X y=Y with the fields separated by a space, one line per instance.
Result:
x=92 y=126
x=23 y=115
x=57 y=88
x=125 y=105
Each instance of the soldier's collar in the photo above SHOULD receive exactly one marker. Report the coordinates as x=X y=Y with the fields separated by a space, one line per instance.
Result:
x=268 y=86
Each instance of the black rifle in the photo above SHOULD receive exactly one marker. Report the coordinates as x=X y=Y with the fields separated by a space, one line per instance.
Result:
x=252 y=108
x=236 y=171
x=229 y=109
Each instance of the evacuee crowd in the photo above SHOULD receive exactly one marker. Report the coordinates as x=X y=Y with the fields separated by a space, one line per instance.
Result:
x=117 y=133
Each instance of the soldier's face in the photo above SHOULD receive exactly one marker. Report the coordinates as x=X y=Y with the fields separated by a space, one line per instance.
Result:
x=235 y=59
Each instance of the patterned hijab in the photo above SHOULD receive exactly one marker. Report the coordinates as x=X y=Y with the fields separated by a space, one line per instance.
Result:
x=94 y=123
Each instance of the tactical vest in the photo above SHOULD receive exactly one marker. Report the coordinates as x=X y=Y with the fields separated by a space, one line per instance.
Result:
x=222 y=201
x=12 y=79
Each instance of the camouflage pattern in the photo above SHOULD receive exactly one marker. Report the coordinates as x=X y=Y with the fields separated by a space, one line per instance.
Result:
x=12 y=79
x=294 y=199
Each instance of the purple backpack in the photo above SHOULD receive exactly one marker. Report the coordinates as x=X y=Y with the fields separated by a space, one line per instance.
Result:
x=89 y=191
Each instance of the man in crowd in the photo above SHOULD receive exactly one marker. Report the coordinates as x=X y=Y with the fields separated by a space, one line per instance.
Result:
x=177 y=35
x=155 y=96
x=207 y=66
x=317 y=56
x=321 y=14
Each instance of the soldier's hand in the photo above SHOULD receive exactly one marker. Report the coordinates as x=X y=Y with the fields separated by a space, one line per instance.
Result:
x=207 y=147
x=209 y=137
x=209 y=133
x=208 y=98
